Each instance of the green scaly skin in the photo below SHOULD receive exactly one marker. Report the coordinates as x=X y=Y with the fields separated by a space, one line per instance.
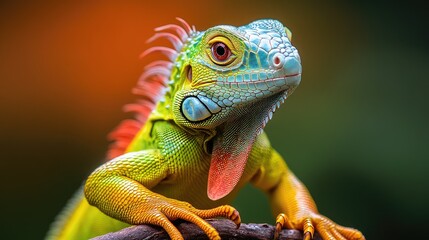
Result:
x=204 y=141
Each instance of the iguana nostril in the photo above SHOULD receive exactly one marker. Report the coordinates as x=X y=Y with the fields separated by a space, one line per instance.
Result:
x=278 y=60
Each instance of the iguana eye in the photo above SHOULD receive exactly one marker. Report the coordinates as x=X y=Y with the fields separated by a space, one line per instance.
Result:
x=220 y=51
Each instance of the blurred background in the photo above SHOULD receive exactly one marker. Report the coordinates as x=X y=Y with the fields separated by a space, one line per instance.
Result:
x=355 y=131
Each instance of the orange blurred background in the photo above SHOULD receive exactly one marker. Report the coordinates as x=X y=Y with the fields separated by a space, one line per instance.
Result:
x=355 y=131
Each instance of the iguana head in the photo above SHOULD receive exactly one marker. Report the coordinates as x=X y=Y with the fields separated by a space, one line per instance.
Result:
x=225 y=71
x=227 y=81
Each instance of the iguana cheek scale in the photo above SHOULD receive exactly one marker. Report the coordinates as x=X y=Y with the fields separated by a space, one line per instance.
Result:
x=198 y=138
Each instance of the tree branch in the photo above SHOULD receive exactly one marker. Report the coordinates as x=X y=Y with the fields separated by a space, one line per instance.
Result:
x=226 y=229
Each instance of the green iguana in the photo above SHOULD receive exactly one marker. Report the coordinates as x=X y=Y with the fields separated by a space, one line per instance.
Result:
x=198 y=138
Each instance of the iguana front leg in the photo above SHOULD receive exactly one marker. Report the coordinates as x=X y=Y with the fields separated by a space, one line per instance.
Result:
x=294 y=205
x=120 y=189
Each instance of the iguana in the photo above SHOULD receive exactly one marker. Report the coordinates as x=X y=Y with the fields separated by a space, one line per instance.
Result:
x=198 y=138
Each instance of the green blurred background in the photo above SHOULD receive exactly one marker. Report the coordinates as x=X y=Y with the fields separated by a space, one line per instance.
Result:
x=355 y=131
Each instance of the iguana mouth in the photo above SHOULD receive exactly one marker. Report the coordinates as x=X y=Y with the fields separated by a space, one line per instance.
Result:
x=274 y=82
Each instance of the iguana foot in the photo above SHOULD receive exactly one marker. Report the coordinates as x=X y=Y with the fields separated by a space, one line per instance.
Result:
x=326 y=228
x=188 y=213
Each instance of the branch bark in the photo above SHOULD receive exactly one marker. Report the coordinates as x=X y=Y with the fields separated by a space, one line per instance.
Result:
x=226 y=229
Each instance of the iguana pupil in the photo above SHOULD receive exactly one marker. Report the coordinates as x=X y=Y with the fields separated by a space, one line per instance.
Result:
x=220 y=51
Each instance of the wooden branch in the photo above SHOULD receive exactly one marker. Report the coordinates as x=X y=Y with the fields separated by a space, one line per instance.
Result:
x=225 y=228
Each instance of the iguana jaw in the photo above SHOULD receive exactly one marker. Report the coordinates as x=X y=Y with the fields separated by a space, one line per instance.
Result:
x=232 y=145
x=211 y=105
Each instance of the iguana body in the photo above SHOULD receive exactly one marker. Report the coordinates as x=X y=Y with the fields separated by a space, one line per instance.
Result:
x=198 y=138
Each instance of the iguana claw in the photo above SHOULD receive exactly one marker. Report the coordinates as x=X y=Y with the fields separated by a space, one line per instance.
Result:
x=308 y=229
x=307 y=236
x=281 y=222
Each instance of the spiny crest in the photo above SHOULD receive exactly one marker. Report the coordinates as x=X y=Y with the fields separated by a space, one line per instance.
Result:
x=151 y=85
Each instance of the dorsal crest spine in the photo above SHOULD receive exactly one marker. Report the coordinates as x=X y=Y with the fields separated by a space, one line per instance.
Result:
x=151 y=85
